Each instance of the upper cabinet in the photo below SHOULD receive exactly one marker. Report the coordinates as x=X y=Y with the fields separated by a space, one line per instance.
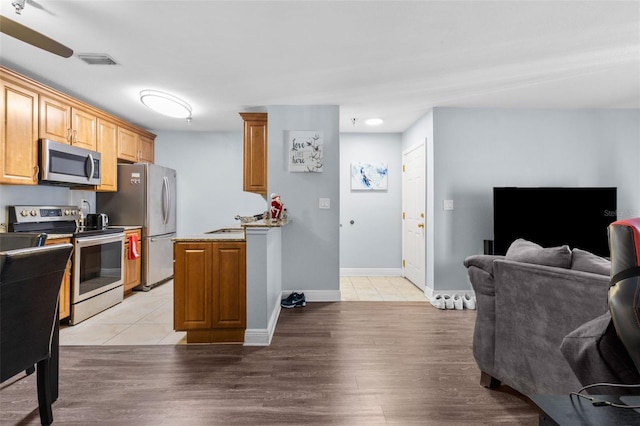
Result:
x=127 y=145
x=146 y=147
x=255 y=152
x=19 y=138
x=32 y=111
x=83 y=129
x=134 y=147
x=55 y=120
x=108 y=147
x=63 y=122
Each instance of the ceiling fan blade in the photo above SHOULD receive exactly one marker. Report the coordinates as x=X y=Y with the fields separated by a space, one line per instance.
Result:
x=26 y=34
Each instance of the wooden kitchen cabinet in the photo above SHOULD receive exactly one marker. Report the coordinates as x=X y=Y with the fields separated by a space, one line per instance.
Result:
x=32 y=111
x=134 y=147
x=63 y=122
x=55 y=119
x=19 y=138
x=146 y=149
x=255 y=152
x=210 y=291
x=84 y=129
x=127 y=145
x=108 y=147
x=65 y=289
x=132 y=267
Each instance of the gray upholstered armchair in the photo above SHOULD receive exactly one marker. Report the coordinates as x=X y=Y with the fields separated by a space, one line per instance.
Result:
x=527 y=302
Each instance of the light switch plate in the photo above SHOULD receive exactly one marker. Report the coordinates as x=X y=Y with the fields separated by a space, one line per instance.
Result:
x=325 y=203
x=448 y=205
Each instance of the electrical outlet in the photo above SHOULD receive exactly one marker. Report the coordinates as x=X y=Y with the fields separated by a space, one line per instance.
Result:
x=448 y=205
x=324 y=203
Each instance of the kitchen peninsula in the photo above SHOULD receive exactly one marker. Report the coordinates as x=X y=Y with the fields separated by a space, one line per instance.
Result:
x=228 y=284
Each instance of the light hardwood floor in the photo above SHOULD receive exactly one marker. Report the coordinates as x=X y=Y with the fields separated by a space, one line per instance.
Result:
x=146 y=318
x=342 y=363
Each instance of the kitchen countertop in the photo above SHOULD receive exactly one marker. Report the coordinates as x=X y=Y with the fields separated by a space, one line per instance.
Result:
x=55 y=236
x=126 y=227
x=233 y=233
x=223 y=234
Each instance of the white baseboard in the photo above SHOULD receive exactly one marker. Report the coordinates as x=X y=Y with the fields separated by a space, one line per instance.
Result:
x=428 y=291
x=262 y=336
x=370 y=272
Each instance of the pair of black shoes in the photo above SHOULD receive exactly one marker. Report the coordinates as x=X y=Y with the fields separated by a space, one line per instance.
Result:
x=294 y=300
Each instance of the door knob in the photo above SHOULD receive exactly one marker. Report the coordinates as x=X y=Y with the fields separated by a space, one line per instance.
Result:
x=421 y=225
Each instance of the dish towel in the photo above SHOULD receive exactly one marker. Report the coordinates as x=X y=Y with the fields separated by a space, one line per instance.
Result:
x=134 y=251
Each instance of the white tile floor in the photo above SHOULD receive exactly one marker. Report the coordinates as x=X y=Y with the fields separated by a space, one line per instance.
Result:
x=143 y=318
x=146 y=318
x=383 y=289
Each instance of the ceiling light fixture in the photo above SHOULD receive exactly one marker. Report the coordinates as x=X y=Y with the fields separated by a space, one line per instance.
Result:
x=166 y=104
x=19 y=5
x=374 y=121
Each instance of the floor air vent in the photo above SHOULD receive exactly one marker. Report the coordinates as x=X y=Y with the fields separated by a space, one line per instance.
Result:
x=97 y=59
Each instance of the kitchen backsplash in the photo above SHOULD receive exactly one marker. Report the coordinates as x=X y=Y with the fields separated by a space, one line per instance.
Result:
x=11 y=195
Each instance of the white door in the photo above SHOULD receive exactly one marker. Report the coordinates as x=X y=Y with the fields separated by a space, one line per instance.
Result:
x=413 y=211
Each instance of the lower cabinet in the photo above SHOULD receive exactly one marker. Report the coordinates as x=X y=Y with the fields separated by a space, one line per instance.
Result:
x=65 y=289
x=210 y=291
x=132 y=266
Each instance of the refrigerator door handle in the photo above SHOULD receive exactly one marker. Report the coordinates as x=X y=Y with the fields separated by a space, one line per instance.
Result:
x=169 y=200
x=165 y=206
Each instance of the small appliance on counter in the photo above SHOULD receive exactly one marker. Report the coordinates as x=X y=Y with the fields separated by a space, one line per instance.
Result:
x=97 y=221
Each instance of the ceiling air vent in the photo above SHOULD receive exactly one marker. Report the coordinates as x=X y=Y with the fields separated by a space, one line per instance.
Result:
x=97 y=59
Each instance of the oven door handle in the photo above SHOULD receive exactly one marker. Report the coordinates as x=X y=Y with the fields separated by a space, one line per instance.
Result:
x=102 y=239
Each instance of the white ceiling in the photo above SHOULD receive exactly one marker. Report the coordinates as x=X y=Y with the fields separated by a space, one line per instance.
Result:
x=388 y=59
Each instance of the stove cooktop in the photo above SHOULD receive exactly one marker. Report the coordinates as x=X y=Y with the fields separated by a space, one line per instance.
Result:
x=83 y=232
x=52 y=220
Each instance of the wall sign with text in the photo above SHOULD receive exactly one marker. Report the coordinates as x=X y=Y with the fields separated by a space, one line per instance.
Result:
x=305 y=151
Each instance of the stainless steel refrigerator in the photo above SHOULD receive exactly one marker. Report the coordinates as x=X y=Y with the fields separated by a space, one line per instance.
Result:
x=146 y=197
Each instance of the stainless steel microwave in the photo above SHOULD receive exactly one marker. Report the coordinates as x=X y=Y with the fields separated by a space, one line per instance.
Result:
x=67 y=165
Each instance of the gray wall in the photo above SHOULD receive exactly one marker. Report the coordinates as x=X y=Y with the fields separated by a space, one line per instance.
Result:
x=373 y=244
x=477 y=149
x=209 y=178
x=310 y=244
x=469 y=151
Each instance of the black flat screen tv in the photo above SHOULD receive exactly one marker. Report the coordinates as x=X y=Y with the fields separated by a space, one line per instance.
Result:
x=554 y=216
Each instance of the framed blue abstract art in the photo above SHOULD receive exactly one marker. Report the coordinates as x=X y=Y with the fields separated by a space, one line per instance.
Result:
x=369 y=176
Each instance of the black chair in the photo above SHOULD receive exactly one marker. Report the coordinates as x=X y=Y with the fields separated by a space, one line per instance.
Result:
x=624 y=293
x=30 y=280
x=17 y=240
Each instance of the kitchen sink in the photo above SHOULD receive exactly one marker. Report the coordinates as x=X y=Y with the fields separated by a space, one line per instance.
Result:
x=225 y=230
